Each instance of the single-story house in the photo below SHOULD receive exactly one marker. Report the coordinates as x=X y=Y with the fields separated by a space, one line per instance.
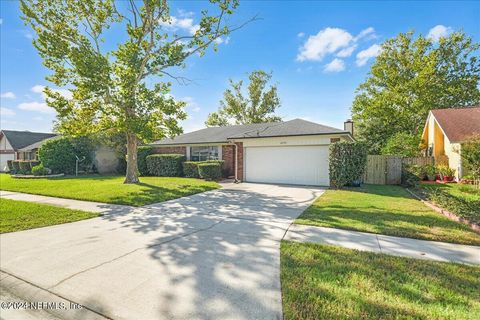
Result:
x=444 y=132
x=291 y=152
x=24 y=145
x=20 y=145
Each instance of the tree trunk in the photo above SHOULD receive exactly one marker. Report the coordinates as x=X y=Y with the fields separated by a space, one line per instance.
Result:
x=132 y=168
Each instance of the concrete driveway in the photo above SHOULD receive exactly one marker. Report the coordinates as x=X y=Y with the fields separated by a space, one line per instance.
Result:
x=213 y=255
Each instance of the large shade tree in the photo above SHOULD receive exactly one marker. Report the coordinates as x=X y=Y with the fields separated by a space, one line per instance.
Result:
x=119 y=86
x=412 y=75
x=257 y=106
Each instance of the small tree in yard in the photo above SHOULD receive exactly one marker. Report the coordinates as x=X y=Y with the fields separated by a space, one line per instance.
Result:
x=347 y=163
x=470 y=153
x=110 y=87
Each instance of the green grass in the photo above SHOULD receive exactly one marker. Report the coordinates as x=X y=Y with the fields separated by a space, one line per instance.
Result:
x=388 y=210
x=109 y=189
x=326 y=282
x=20 y=215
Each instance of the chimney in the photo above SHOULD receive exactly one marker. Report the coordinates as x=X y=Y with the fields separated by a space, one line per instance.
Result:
x=348 y=126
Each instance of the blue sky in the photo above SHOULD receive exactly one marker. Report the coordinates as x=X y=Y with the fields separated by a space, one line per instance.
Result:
x=319 y=52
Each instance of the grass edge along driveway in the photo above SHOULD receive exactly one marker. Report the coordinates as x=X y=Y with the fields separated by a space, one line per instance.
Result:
x=384 y=209
x=20 y=215
x=327 y=282
x=110 y=189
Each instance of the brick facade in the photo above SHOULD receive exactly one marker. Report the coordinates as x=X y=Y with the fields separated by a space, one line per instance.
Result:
x=240 y=161
x=228 y=155
x=170 y=150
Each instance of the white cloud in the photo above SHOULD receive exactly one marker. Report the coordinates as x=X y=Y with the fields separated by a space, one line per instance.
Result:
x=36 y=106
x=438 y=32
x=191 y=104
x=183 y=22
x=301 y=34
x=365 y=55
x=39 y=89
x=221 y=40
x=370 y=31
x=336 y=65
x=8 y=95
x=347 y=52
x=6 y=112
x=330 y=41
x=324 y=42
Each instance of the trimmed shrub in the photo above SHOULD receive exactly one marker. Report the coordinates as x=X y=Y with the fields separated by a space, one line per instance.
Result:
x=25 y=167
x=190 y=169
x=10 y=166
x=40 y=170
x=33 y=163
x=165 y=165
x=142 y=153
x=59 y=154
x=15 y=166
x=348 y=161
x=210 y=171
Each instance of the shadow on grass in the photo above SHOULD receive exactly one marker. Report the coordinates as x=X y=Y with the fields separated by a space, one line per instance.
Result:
x=325 y=282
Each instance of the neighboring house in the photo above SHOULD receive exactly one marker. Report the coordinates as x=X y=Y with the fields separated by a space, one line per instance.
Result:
x=24 y=145
x=444 y=132
x=291 y=152
x=20 y=145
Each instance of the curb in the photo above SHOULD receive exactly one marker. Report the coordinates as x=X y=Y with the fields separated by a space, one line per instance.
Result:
x=446 y=213
x=35 y=294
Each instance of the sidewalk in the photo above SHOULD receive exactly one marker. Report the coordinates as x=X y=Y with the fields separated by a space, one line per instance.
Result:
x=405 y=247
x=98 y=207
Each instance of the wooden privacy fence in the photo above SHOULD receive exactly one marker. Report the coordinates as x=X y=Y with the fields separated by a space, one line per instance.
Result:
x=388 y=169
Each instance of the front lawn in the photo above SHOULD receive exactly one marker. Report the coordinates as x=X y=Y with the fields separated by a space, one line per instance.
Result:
x=384 y=209
x=326 y=282
x=109 y=189
x=20 y=215
x=461 y=199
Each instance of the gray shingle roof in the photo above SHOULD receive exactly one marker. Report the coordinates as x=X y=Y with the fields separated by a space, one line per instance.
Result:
x=21 y=139
x=296 y=127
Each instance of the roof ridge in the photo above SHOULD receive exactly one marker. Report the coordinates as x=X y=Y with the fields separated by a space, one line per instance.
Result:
x=272 y=124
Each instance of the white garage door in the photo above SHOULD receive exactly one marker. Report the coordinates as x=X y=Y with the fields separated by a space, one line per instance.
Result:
x=307 y=165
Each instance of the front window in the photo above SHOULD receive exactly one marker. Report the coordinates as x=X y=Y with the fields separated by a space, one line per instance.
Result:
x=203 y=153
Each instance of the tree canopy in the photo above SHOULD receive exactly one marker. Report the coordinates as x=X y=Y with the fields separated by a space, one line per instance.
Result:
x=411 y=76
x=259 y=106
x=119 y=87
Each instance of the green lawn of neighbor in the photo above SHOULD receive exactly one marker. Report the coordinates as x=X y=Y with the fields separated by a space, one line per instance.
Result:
x=326 y=282
x=109 y=189
x=384 y=209
x=20 y=215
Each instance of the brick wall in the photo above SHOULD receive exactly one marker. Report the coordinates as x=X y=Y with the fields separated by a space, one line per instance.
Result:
x=170 y=150
x=240 y=161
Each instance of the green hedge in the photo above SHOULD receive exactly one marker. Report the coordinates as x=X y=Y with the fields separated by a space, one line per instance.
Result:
x=25 y=167
x=347 y=163
x=210 y=171
x=40 y=170
x=10 y=166
x=59 y=154
x=165 y=165
x=15 y=166
x=142 y=153
x=33 y=163
x=190 y=168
